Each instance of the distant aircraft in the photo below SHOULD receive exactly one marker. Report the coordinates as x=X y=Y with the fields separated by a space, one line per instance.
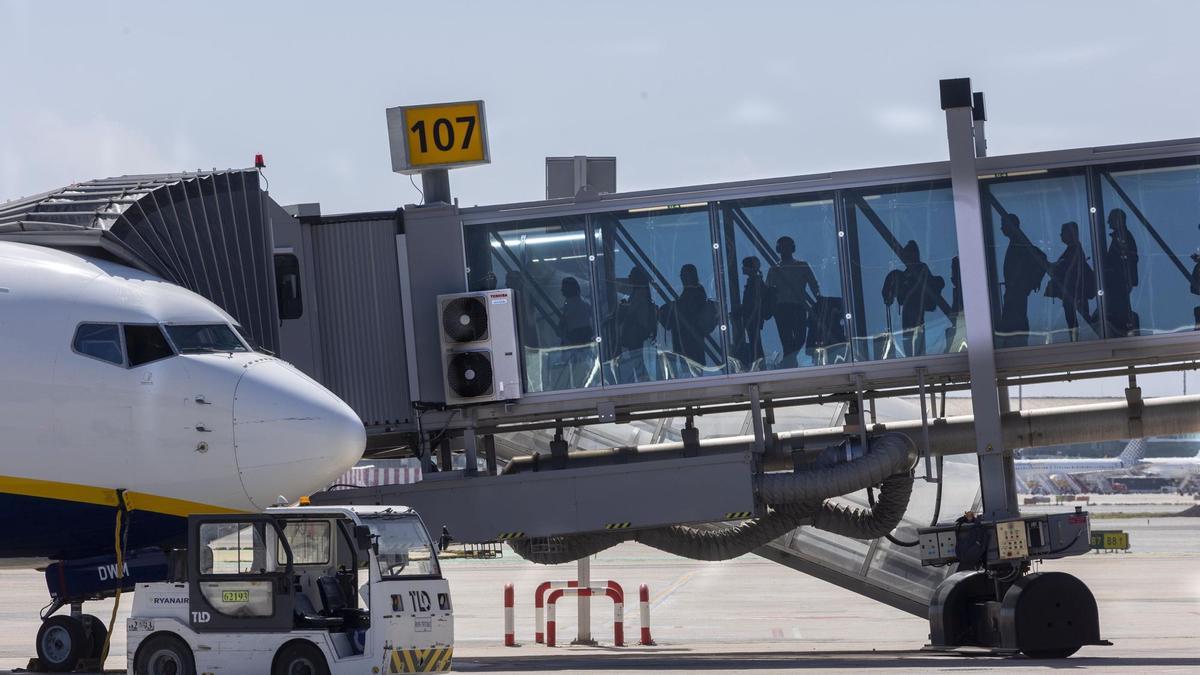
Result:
x=1172 y=467
x=1131 y=456
x=120 y=389
x=1131 y=462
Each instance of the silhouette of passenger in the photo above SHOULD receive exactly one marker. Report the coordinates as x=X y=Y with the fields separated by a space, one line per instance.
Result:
x=1072 y=279
x=637 y=321
x=1194 y=286
x=793 y=308
x=575 y=329
x=1024 y=266
x=488 y=282
x=1120 y=277
x=526 y=312
x=917 y=291
x=753 y=312
x=689 y=318
x=575 y=321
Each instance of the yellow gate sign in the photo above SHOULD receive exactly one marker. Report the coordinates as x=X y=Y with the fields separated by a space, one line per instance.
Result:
x=437 y=136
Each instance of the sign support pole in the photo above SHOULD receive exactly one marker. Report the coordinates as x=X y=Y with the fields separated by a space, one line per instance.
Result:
x=435 y=185
x=584 y=575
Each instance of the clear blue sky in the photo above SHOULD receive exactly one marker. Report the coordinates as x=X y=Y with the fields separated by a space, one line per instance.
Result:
x=680 y=92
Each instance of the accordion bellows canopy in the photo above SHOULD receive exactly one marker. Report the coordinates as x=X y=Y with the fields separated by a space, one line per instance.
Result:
x=206 y=231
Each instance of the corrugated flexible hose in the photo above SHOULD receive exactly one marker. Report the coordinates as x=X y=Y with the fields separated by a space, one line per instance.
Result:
x=796 y=498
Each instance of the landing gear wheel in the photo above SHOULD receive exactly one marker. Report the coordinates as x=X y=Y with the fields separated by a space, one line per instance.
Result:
x=164 y=654
x=97 y=631
x=300 y=658
x=61 y=642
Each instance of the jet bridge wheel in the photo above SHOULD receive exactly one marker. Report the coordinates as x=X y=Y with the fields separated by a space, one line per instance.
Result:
x=61 y=643
x=1049 y=615
x=1045 y=615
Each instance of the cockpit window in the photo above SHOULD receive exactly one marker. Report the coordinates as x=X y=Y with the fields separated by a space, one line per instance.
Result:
x=99 y=340
x=144 y=344
x=205 y=339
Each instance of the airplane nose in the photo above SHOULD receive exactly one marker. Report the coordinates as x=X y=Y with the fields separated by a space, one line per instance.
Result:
x=291 y=436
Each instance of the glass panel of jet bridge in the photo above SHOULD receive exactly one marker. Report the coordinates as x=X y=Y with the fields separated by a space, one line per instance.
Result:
x=1146 y=224
x=1042 y=270
x=546 y=262
x=765 y=283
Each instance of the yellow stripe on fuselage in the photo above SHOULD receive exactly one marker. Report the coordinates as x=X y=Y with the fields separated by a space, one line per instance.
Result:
x=88 y=494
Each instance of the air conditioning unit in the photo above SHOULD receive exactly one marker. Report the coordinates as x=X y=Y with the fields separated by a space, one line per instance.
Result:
x=480 y=352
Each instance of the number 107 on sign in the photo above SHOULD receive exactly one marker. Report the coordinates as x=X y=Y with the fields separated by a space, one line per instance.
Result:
x=437 y=136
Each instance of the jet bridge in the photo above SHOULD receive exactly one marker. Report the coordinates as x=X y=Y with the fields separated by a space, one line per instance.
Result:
x=849 y=289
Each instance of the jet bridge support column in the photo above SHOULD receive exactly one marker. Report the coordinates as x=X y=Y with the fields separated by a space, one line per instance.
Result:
x=992 y=601
x=996 y=474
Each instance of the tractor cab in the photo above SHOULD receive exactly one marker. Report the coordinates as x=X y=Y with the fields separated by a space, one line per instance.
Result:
x=334 y=587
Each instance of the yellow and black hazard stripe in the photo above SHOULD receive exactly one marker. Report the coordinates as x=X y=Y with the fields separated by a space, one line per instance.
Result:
x=618 y=526
x=431 y=660
x=739 y=515
x=505 y=536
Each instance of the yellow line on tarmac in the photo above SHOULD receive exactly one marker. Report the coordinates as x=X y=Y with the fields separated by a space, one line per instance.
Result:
x=631 y=606
x=658 y=599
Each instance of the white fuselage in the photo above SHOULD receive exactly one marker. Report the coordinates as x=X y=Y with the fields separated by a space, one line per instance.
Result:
x=1171 y=467
x=189 y=432
x=1067 y=466
x=1167 y=467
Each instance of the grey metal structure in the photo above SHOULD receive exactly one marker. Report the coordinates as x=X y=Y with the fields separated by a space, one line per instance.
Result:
x=423 y=275
x=566 y=176
x=352 y=299
x=207 y=231
x=592 y=403
x=548 y=504
x=350 y=332
x=995 y=462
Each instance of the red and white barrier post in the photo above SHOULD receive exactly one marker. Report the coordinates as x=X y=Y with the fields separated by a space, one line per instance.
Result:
x=510 y=637
x=539 y=602
x=644 y=607
x=616 y=595
x=539 y=605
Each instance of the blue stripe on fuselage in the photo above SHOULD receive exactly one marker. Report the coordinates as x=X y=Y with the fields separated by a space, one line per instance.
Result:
x=40 y=527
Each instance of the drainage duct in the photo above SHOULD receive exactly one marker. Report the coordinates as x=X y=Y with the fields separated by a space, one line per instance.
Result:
x=795 y=499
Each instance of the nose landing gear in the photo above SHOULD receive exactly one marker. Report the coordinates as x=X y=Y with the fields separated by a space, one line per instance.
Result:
x=64 y=642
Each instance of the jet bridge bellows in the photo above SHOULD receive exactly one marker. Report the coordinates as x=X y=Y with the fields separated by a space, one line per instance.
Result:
x=205 y=231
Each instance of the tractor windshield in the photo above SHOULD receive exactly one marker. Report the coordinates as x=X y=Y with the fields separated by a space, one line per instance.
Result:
x=403 y=547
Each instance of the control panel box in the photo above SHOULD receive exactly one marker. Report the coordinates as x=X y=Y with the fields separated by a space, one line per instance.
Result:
x=1011 y=542
x=981 y=543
